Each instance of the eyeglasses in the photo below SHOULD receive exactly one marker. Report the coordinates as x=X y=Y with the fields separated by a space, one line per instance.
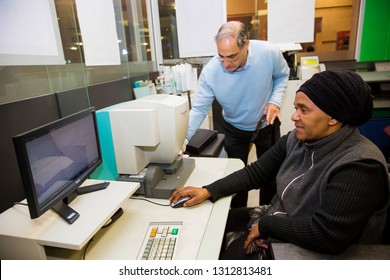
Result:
x=230 y=58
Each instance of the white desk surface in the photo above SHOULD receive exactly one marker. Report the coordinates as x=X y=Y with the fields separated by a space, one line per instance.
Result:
x=94 y=208
x=203 y=225
x=200 y=238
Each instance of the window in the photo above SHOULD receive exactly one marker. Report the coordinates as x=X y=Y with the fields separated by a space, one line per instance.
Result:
x=169 y=41
x=134 y=41
x=336 y=23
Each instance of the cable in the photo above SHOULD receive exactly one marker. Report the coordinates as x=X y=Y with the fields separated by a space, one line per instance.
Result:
x=147 y=200
x=86 y=247
x=20 y=203
x=114 y=217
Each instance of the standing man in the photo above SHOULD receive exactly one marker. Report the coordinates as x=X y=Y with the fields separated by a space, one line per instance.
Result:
x=248 y=78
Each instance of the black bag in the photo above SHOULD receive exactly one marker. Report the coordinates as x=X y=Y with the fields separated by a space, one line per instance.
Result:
x=200 y=140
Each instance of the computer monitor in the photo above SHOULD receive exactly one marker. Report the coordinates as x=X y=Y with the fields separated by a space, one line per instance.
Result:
x=149 y=129
x=55 y=159
x=149 y=133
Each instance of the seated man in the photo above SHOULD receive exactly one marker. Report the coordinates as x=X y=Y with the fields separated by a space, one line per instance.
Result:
x=332 y=183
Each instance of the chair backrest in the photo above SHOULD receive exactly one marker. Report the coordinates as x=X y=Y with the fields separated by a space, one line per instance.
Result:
x=386 y=231
x=387 y=130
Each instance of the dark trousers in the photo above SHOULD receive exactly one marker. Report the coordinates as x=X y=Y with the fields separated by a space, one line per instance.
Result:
x=237 y=222
x=237 y=144
x=236 y=231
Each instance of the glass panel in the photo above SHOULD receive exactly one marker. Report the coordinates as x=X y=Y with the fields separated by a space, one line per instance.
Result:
x=69 y=29
x=72 y=74
x=135 y=22
x=253 y=13
x=335 y=26
x=169 y=42
x=20 y=82
x=75 y=74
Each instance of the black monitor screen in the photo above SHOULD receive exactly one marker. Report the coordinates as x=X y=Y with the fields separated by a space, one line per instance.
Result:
x=56 y=158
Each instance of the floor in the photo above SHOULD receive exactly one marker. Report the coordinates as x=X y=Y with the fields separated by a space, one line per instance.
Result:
x=253 y=198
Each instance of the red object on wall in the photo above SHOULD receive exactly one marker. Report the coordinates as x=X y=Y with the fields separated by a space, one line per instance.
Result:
x=342 y=41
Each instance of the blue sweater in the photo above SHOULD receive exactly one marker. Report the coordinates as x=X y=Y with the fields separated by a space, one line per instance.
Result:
x=243 y=94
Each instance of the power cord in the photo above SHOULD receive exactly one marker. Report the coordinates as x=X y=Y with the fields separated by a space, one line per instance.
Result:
x=86 y=247
x=20 y=203
x=150 y=201
x=114 y=217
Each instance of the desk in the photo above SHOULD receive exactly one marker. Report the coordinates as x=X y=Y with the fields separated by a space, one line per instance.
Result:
x=375 y=76
x=379 y=82
x=25 y=238
x=289 y=251
x=50 y=237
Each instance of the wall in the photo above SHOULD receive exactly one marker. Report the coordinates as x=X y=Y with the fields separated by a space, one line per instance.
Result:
x=18 y=117
x=242 y=7
x=334 y=17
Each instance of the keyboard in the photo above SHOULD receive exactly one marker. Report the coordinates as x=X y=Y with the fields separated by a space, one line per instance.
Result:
x=160 y=241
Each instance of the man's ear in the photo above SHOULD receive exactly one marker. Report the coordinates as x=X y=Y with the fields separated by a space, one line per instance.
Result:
x=333 y=122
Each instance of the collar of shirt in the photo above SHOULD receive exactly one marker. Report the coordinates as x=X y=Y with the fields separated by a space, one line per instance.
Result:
x=248 y=59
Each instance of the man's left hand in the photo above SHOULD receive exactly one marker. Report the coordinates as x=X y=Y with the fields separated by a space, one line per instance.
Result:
x=272 y=111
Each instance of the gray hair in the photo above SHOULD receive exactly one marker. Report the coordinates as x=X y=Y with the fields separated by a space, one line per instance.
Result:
x=233 y=29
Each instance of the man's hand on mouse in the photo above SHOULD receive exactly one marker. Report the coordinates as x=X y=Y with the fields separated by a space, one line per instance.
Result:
x=198 y=195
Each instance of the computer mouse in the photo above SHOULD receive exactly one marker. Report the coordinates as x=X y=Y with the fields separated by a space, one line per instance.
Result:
x=179 y=203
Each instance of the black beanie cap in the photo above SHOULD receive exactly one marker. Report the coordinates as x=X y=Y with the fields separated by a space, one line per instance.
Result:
x=343 y=95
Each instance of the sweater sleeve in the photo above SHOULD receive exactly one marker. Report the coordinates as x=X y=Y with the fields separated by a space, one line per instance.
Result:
x=201 y=106
x=280 y=76
x=252 y=176
x=346 y=205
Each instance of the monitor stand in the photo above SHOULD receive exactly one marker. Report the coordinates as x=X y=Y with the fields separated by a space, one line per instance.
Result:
x=159 y=181
x=92 y=188
x=63 y=209
x=66 y=212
